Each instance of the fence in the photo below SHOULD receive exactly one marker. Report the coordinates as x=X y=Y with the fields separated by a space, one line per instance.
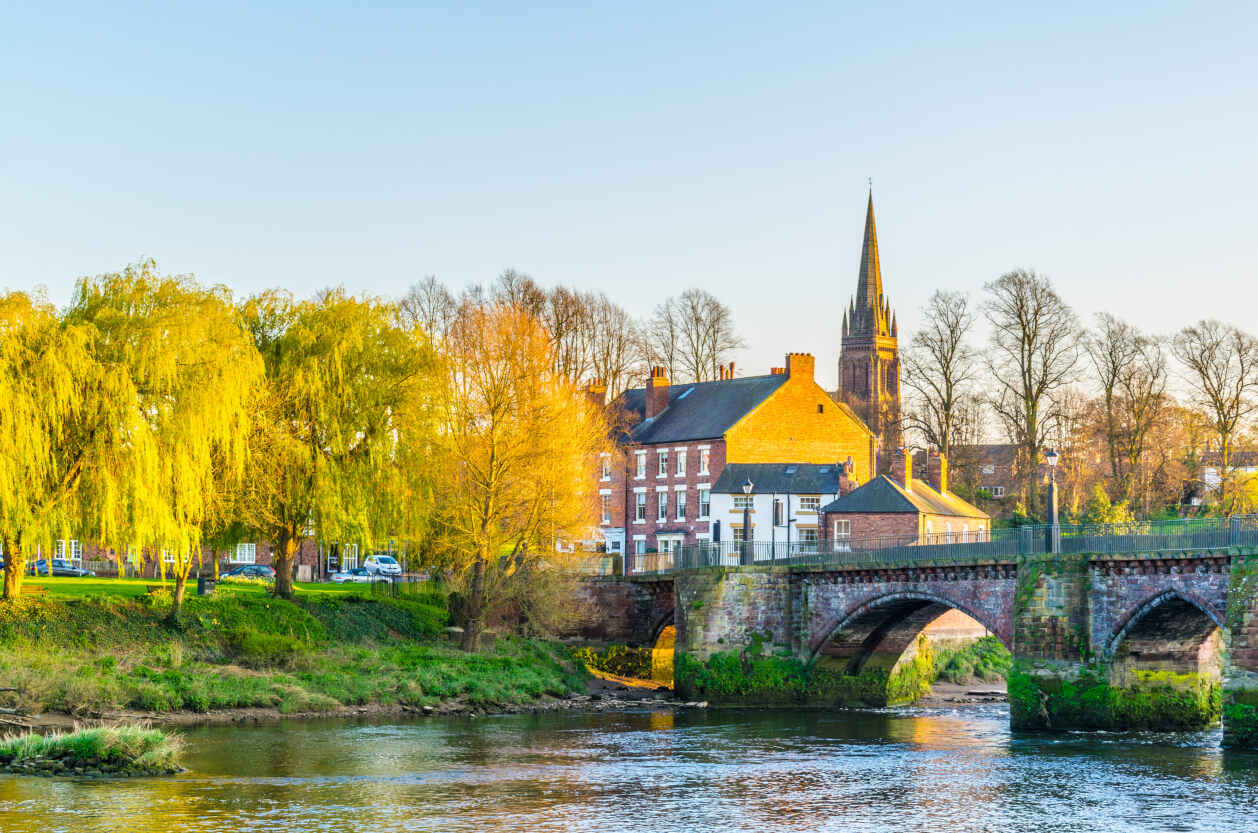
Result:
x=959 y=548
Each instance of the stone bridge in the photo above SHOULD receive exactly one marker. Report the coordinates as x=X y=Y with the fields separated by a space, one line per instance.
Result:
x=1119 y=641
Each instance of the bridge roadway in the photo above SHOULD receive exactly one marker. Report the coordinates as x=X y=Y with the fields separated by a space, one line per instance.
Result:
x=1156 y=640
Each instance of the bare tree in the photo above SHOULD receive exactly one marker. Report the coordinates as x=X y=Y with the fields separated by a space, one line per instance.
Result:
x=568 y=317
x=1221 y=364
x=430 y=306
x=691 y=336
x=1132 y=371
x=616 y=345
x=939 y=366
x=1035 y=349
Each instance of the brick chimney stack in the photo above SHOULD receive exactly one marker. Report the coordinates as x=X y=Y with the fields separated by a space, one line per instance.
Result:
x=846 y=482
x=801 y=365
x=937 y=472
x=902 y=468
x=656 y=392
x=596 y=392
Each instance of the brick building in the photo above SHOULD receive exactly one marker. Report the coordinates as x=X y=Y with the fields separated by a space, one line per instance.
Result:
x=681 y=438
x=903 y=505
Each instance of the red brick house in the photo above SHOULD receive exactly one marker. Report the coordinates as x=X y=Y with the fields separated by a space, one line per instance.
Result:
x=904 y=506
x=656 y=492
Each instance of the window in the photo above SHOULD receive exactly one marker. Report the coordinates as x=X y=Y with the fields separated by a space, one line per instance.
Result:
x=744 y=502
x=703 y=460
x=606 y=467
x=810 y=503
x=681 y=505
x=639 y=547
x=168 y=556
x=842 y=529
x=641 y=470
x=662 y=471
x=989 y=469
x=740 y=533
x=681 y=462
x=606 y=501
x=639 y=508
x=349 y=556
x=821 y=409
x=808 y=536
x=995 y=491
x=246 y=553
x=71 y=549
x=705 y=503
x=661 y=499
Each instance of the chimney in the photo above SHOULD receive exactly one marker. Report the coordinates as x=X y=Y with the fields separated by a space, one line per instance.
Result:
x=846 y=483
x=801 y=365
x=596 y=392
x=656 y=392
x=937 y=472
x=730 y=374
x=902 y=468
x=777 y=371
x=720 y=373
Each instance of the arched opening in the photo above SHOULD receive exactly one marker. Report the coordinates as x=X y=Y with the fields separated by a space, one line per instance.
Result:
x=662 y=656
x=892 y=651
x=1165 y=666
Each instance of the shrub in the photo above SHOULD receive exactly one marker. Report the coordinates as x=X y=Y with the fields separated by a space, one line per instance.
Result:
x=621 y=660
x=262 y=650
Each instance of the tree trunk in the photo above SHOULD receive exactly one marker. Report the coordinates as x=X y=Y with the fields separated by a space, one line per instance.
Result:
x=176 y=598
x=475 y=623
x=14 y=569
x=285 y=554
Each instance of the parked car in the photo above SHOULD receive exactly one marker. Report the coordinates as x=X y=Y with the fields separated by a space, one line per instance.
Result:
x=58 y=567
x=385 y=565
x=250 y=571
x=358 y=575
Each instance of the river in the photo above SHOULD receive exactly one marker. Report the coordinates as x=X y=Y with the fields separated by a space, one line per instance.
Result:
x=912 y=769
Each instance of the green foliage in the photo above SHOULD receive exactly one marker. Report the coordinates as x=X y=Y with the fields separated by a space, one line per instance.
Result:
x=621 y=660
x=1099 y=509
x=986 y=660
x=115 y=749
x=264 y=650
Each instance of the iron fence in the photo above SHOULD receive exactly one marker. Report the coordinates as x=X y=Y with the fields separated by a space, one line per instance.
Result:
x=942 y=549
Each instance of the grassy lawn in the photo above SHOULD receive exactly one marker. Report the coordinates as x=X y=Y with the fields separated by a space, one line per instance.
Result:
x=70 y=587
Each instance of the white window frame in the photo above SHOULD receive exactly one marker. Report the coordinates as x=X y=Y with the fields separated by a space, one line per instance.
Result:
x=745 y=502
x=705 y=504
x=605 y=508
x=661 y=506
x=807 y=536
x=69 y=550
x=705 y=461
x=681 y=462
x=639 y=507
x=605 y=464
x=640 y=465
x=842 y=528
x=662 y=460
x=246 y=553
x=681 y=504
x=810 y=503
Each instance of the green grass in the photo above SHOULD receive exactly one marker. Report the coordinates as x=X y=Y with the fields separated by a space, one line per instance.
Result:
x=75 y=588
x=129 y=749
x=94 y=654
x=985 y=659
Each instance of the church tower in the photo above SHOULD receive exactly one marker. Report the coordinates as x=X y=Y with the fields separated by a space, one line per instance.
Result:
x=869 y=364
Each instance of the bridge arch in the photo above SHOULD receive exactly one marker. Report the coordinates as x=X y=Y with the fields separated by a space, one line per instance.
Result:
x=1172 y=637
x=898 y=613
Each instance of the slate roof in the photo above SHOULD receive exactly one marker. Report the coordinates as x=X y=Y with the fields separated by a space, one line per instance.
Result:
x=766 y=478
x=702 y=411
x=884 y=496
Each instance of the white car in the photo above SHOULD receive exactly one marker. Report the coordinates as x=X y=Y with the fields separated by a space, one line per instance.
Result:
x=358 y=575
x=385 y=565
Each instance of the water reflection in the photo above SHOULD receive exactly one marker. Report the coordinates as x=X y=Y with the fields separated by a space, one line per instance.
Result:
x=722 y=771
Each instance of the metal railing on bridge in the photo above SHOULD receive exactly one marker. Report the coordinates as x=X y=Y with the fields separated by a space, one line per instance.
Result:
x=942 y=549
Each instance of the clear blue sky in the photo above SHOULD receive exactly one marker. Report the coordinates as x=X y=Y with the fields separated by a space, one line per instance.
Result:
x=642 y=148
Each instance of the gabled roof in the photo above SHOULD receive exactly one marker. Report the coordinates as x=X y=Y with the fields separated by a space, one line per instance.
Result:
x=782 y=478
x=884 y=496
x=702 y=411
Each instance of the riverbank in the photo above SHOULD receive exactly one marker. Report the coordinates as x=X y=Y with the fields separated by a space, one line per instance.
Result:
x=242 y=655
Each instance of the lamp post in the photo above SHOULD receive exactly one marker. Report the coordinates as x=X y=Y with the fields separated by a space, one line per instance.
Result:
x=747 y=557
x=1052 y=541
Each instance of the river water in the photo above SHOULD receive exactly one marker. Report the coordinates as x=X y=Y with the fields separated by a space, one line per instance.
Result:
x=895 y=770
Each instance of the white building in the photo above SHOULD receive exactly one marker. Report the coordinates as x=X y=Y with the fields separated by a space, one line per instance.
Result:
x=785 y=500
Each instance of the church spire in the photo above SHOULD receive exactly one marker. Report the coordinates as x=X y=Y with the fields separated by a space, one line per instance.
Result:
x=870 y=308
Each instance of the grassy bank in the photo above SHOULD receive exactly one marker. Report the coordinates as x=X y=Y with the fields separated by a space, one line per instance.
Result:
x=985 y=660
x=115 y=750
x=96 y=654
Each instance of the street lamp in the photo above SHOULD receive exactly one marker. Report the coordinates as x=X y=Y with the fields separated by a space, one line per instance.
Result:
x=1053 y=532
x=747 y=487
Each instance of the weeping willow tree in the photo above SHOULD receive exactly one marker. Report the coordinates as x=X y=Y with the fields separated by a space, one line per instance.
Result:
x=342 y=424
x=195 y=373
x=516 y=451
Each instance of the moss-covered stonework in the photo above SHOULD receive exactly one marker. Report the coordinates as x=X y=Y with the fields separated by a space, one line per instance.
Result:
x=1070 y=696
x=749 y=678
x=1240 y=699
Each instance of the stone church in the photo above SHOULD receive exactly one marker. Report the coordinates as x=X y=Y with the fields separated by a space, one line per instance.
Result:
x=869 y=361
